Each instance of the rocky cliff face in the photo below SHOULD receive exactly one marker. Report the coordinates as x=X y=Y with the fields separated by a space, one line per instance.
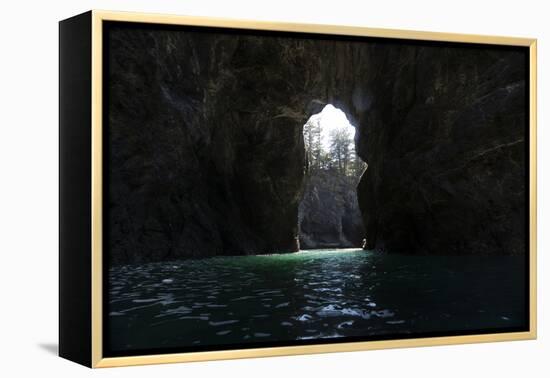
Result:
x=205 y=146
x=206 y=156
x=445 y=139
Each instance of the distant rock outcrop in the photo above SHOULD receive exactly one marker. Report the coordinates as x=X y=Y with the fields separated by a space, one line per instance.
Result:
x=329 y=215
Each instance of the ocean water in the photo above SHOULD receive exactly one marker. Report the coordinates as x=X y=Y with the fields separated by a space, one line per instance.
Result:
x=315 y=294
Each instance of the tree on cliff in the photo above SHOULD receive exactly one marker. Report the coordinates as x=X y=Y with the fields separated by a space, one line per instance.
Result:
x=312 y=139
x=329 y=146
x=341 y=149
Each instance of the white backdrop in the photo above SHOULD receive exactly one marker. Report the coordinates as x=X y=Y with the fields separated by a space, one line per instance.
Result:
x=29 y=187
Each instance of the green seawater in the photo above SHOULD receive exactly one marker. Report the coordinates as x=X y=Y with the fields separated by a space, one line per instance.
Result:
x=315 y=294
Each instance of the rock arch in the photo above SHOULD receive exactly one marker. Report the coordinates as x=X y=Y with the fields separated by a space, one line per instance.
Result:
x=207 y=156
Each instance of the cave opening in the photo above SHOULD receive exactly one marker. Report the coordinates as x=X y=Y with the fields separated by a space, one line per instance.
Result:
x=329 y=215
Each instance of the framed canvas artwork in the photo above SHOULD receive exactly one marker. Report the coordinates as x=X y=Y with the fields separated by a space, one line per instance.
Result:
x=235 y=189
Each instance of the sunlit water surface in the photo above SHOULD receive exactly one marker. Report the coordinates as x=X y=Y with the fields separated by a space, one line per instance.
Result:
x=310 y=295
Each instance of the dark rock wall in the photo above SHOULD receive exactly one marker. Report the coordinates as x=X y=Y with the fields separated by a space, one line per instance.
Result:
x=206 y=155
x=205 y=146
x=445 y=142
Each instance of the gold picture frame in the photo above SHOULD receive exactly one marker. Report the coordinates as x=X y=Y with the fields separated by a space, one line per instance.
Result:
x=95 y=264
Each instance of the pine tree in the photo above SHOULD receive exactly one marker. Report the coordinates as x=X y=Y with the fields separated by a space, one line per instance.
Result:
x=312 y=140
x=341 y=149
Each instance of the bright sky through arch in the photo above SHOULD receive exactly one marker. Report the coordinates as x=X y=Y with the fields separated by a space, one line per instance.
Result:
x=332 y=118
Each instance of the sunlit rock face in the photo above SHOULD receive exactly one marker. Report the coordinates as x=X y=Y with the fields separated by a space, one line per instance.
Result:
x=329 y=215
x=206 y=155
